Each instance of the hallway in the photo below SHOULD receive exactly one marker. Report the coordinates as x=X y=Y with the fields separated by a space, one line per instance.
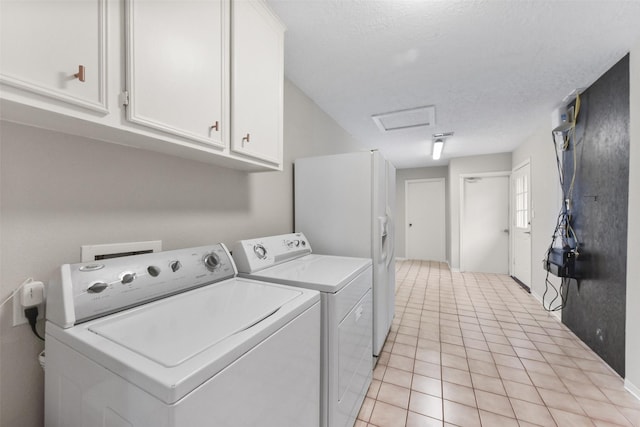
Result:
x=474 y=349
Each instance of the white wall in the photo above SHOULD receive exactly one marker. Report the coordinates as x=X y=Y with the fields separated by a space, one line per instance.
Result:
x=632 y=340
x=402 y=175
x=58 y=192
x=545 y=201
x=461 y=166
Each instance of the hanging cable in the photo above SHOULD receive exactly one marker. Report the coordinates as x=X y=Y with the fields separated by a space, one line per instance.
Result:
x=564 y=234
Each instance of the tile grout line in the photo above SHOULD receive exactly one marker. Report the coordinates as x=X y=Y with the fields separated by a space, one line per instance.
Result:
x=509 y=398
x=460 y=293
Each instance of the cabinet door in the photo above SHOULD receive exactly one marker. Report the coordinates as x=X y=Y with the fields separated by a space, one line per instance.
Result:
x=177 y=67
x=257 y=81
x=44 y=43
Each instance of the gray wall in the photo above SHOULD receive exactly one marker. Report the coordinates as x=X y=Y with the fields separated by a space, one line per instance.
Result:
x=596 y=302
x=402 y=176
x=546 y=202
x=632 y=350
x=58 y=192
x=462 y=166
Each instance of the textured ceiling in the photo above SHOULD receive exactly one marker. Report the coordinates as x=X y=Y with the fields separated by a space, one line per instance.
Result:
x=494 y=69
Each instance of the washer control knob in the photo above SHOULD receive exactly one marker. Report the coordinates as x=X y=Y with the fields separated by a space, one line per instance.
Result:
x=260 y=251
x=175 y=265
x=211 y=261
x=153 y=270
x=127 y=278
x=296 y=243
x=97 y=287
x=303 y=243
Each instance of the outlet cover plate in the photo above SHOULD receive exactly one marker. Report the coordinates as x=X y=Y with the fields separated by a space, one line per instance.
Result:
x=18 y=311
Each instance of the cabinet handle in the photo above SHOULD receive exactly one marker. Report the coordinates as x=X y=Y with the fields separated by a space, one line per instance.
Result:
x=215 y=126
x=246 y=138
x=80 y=74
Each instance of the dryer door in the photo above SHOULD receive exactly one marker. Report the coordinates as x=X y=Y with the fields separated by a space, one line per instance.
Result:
x=354 y=363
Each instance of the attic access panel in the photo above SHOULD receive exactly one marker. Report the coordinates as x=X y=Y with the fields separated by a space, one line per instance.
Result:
x=406 y=119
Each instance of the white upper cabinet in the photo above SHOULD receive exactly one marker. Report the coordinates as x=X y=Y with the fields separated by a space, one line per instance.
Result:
x=199 y=79
x=257 y=78
x=177 y=62
x=56 y=49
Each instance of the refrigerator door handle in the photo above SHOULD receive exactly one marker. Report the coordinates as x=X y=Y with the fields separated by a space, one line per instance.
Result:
x=391 y=253
x=383 y=233
x=391 y=247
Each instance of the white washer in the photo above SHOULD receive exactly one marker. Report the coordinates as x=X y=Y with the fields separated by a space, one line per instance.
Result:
x=347 y=313
x=174 y=339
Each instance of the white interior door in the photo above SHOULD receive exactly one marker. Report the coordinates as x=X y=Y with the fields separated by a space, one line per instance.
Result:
x=484 y=230
x=521 y=223
x=425 y=219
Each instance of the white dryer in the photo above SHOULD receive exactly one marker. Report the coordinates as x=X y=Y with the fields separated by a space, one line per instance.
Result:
x=174 y=339
x=347 y=314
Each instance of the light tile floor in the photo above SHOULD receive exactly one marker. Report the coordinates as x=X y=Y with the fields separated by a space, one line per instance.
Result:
x=474 y=349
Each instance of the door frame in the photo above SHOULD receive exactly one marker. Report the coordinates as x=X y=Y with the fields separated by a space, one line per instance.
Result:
x=406 y=211
x=506 y=174
x=511 y=218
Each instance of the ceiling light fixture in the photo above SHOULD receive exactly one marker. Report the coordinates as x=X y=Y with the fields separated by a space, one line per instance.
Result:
x=438 y=145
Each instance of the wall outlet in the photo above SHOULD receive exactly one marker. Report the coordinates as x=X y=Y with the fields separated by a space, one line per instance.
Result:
x=18 y=310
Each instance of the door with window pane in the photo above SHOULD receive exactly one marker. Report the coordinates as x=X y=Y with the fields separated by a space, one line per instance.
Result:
x=521 y=223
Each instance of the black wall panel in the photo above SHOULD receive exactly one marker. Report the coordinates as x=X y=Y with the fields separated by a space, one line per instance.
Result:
x=595 y=309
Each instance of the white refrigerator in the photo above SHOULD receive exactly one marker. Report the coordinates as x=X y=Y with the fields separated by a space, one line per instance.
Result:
x=345 y=204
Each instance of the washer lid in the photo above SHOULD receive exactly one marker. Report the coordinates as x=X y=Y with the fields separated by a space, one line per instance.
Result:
x=175 y=331
x=325 y=273
x=207 y=328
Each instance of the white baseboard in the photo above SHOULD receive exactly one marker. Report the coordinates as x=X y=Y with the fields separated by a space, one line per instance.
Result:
x=632 y=389
x=556 y=314
x=400 y=258
x=536 y=296
x=452 y=269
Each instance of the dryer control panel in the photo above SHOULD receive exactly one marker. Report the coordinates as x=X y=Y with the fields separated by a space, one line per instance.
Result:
x=257 y=254
x=85 y=291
